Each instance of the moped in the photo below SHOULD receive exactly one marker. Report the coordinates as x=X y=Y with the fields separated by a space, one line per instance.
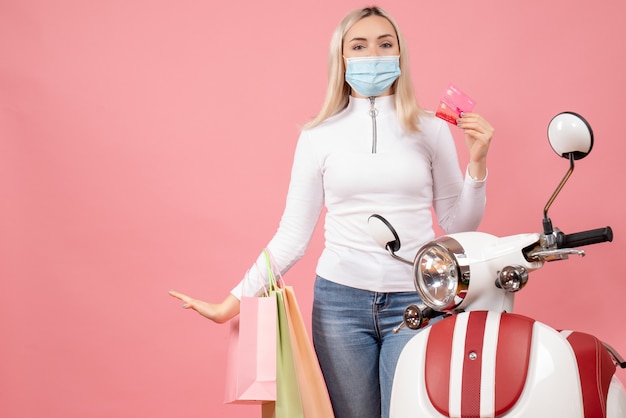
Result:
x=480 y=359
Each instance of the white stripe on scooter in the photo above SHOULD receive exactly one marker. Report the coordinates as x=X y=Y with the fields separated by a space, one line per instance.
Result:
x=488 y=367
x=488 y=370
x=456 y=365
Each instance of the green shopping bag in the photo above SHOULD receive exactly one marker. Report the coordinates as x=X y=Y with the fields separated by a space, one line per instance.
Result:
x=300 y=387
x=288 y=403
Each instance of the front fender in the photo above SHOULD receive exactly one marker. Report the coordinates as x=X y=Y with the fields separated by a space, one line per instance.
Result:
x=477 y=375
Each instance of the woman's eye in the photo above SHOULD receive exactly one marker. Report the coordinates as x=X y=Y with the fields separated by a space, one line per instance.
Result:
x=387 y=45
x=357 y=47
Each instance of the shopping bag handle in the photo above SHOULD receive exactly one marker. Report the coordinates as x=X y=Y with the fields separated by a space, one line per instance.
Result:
x=274 y=283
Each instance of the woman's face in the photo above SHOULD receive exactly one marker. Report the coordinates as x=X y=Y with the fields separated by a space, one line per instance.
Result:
x=370 y=36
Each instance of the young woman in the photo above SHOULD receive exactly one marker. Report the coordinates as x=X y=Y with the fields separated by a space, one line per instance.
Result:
x=371 y=149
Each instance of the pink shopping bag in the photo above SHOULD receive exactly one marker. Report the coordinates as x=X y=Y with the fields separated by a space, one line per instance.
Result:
x=251 y=363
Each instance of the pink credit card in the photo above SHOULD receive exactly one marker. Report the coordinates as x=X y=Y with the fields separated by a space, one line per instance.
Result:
x=453 y=102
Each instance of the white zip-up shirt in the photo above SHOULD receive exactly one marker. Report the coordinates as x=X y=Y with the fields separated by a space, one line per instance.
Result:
x=405 y=176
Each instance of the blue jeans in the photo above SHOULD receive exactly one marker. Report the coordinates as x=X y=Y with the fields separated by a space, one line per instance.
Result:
x=356 y=346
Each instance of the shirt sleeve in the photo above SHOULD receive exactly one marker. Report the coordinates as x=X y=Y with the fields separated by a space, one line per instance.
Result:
x=459 y=201
x=305 y=198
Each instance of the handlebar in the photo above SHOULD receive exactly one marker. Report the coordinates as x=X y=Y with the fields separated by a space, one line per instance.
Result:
x=578 y=239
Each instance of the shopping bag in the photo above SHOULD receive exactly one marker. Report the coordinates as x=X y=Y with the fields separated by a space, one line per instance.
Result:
x=301 y=390
x=313 y=391
x=251 y=360
x=288 y=400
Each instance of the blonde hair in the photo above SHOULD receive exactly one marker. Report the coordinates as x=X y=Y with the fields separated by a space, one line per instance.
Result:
x=338 y=90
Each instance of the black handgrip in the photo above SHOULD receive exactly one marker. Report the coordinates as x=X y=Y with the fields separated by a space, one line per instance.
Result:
x=578 y=239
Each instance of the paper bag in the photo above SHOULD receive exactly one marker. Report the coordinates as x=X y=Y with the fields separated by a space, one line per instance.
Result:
x=251 y=363
x=311 y=384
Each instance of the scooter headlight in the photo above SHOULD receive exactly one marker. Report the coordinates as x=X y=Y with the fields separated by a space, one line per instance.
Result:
x=441 y=274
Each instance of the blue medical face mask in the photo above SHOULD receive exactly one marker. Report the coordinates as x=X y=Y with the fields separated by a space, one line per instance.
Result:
x=372 y=76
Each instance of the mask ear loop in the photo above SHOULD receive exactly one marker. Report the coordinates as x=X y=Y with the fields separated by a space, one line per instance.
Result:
x=345 y=69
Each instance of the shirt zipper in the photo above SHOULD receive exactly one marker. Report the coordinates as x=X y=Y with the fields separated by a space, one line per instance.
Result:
x=373 y=114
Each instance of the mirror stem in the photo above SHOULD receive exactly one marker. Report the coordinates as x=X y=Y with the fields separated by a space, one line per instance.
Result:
x=547 y=224
x=391 y=253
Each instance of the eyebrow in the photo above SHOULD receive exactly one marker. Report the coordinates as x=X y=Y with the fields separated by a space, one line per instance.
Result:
x=380 y=37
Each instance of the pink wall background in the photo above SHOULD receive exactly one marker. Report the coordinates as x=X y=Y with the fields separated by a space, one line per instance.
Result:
x=146 y=145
